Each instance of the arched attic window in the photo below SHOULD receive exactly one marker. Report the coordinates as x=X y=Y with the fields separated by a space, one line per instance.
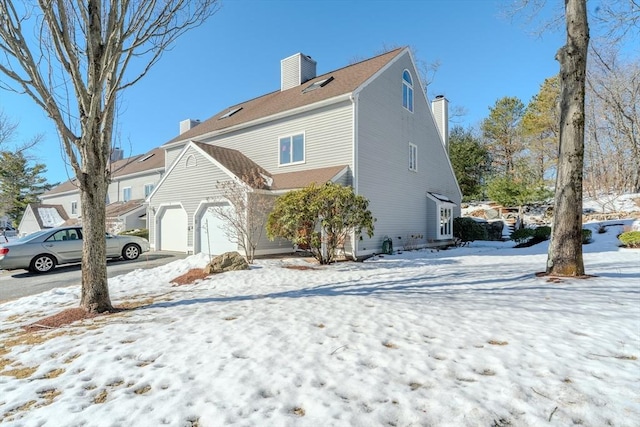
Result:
x=407 y=90
x=191 y=161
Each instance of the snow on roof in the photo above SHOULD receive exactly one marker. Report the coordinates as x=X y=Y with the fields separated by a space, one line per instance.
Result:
x=50 y=217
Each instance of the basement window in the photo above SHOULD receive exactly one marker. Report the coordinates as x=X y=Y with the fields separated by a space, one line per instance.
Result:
x=318 y=85
x=230 y=113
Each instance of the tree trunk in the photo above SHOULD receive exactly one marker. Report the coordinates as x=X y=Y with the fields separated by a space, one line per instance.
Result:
x=565 y=248
x=93 y=193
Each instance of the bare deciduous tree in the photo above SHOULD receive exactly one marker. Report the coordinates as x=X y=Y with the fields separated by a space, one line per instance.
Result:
x=250 y=205
x=613 y=124
x=565 y=249
x=74 y=58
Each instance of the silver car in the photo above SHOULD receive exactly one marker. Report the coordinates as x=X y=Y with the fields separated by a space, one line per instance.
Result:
x=43 y=250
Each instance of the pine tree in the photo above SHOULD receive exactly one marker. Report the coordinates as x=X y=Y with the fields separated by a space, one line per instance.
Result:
x=20 y=184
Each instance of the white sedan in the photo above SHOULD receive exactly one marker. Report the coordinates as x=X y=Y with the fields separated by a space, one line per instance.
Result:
x=41 y=251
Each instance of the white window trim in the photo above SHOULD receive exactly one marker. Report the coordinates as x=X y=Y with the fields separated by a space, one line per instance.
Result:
x=304 y=142
x=413 y=157
x=410 y=105
x=144 y=188
x=123 y=192
x=439 y=207
x=74 y=207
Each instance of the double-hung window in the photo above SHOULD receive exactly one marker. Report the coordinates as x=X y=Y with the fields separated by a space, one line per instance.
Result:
x=413 y=157
x=148 y=188
x=407 y=90
x=74 y=208
x=291 y=149
x=126 y=194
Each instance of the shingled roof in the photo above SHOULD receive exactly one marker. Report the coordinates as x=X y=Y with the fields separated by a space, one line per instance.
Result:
x=344 y=80
x=236 y=162
x=55 y=215
x=300 y=179
x=153 y=159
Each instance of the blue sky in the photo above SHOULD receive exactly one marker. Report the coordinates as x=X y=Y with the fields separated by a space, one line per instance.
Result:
x=236 y=56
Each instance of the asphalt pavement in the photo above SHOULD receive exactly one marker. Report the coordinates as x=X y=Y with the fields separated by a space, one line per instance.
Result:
x=20 y=283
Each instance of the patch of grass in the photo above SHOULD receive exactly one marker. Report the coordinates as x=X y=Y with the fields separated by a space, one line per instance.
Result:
x=19 y=373
x=71 y=358
x=54 y=373
x=101 y=397
x=116 y=383
x=48 y=395
x=625 y=357
x=497 y=342
x=389 y=344
x=320 y=325
x=297 y=411
x=130 y=305
x=142 y=390
x=230 y=318
x=18 y=409
x=415 y=386
x=487 y=372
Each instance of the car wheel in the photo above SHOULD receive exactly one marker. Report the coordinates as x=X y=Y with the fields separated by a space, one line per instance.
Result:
x=131 y=252
x=42 y=264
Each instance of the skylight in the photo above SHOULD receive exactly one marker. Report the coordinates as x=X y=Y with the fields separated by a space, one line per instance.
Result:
x=147 y=157
x=318 y=84
x=230 y=113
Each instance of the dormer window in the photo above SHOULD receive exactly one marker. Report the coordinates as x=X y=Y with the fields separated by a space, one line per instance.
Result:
x=407 y=90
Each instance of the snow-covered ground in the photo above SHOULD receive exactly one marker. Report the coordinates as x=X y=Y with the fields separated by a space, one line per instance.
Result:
x=462 y=337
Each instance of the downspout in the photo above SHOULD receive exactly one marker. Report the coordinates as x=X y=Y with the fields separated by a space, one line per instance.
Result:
x=354 y=157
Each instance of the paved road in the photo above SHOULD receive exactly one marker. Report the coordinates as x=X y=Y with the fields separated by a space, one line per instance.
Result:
x=20 y=283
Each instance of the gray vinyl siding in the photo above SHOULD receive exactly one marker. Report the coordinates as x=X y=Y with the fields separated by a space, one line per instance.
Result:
x=178 y=186
x=28 y=223
x=171 y=154
x=191 y=186
x=397 y=195
x=136 y=183
x=328 y=139
x=65 y=200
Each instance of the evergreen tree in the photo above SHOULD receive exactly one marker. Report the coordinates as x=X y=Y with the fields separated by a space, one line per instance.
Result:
x=541 y=129
x=503 y=134
x=20 y=184
x=471 y=162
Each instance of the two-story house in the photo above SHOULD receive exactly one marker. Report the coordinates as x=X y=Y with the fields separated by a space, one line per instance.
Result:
x=132 y=181
x=368 y=125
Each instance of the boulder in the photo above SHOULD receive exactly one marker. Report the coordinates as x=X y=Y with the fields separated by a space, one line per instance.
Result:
x=228 y=261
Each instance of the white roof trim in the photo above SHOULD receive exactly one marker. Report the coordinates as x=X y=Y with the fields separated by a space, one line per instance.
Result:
x=439 y=198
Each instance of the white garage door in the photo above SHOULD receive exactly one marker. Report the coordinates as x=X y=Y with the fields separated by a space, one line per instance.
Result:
x=173 y=230
x=213 y=240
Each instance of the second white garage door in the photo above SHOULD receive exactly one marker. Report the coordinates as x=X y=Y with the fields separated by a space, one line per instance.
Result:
x=173 y=229
x=213 y=240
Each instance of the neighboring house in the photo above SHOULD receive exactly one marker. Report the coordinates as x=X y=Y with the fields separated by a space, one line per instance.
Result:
x=368 y=125
x=132 y=180
x=38 y=217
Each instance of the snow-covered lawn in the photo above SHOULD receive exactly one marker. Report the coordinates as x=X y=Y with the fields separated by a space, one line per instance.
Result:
x=462 y=337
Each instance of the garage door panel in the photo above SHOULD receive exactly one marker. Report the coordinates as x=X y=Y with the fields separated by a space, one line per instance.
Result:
x=213 y=238
x=173 y=230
